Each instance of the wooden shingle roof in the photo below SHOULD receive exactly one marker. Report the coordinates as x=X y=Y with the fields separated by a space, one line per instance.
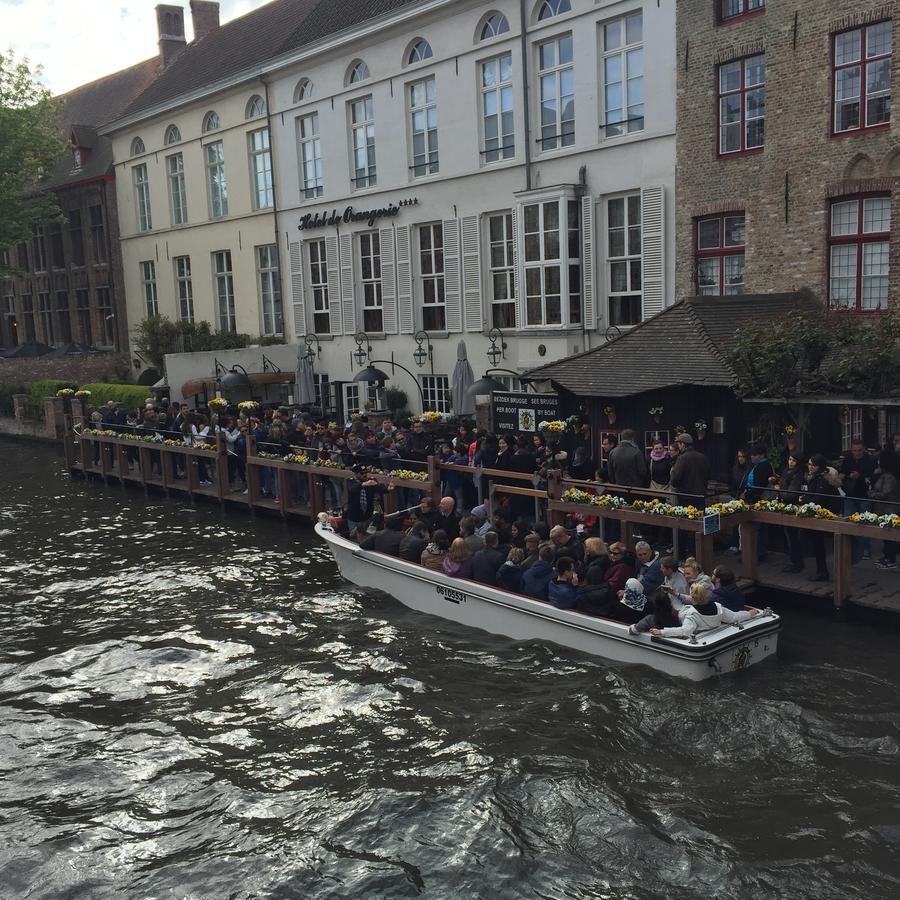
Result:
x=685 y=344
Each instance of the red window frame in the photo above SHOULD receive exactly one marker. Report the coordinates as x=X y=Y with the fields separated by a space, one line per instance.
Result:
x=860 y=238
x=745 y=13
x=863 y=62
x=720 y=252
x=741 y=92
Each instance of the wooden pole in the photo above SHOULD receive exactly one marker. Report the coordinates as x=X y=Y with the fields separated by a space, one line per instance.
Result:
x=749 y=550
x=843 y=545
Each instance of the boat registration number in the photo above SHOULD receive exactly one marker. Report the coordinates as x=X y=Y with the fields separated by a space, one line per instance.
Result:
x=451 y=595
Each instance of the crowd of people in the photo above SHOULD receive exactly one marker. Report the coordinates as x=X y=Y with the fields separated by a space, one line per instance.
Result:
x=859 y=482
x=636 y=586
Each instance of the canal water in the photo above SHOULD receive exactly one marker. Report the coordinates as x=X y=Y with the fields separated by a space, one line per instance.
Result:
x=194 y=705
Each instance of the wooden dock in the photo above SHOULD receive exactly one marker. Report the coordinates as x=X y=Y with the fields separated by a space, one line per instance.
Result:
x=304 y=489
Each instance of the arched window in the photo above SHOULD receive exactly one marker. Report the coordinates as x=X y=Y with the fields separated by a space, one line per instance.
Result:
x=494 y=25
x=303 y=91
x=551 y=8
x=211 y=121
x=256 y=107
x=137 y=147
x=358 y=71
x=173 y=135
x=420 y=51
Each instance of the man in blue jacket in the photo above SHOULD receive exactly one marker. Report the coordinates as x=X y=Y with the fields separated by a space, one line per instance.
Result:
x=561 y=592
x=537 y=577
x=725 y=590
x=650 y=573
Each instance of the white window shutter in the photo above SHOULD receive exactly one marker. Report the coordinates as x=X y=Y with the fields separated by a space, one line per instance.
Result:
x=588 y=288
x=297 y=299
x=653 y=249
x=404 y=281
x=452 y=283
x=388 y=280
x=471 y=254
x=518 y=270
x=333 y=268
x=348 y=308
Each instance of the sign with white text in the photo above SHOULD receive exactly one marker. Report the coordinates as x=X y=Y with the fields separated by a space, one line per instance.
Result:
x=514 y=411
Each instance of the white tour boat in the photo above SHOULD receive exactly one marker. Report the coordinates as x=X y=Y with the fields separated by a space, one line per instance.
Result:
x=709 y=653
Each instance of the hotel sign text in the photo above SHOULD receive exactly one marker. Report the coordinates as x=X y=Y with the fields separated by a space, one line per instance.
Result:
x=351 y=215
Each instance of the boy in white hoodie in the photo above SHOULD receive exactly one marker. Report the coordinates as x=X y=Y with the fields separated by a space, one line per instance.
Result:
x=702 y=614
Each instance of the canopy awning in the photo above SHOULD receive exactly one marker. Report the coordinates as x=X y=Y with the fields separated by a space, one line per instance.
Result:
x=197 y=386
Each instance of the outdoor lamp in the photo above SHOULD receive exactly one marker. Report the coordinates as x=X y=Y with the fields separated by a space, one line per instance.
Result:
x=234 y=378
x=371 y=375
x=484 y=386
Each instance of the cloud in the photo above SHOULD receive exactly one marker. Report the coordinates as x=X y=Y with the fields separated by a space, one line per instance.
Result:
x=79 y=42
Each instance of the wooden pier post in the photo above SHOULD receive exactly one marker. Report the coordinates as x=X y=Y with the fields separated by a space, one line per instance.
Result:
x=843 y=545
x=749 y=550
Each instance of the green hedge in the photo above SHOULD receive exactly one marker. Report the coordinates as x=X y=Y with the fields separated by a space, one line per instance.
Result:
x=131 y=396
x=6 y=397
x=38 y=391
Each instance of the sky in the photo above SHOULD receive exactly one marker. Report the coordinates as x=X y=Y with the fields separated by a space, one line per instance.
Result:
x=77 y=41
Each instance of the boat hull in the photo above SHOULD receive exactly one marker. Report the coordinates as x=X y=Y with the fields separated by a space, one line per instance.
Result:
x=470 y=603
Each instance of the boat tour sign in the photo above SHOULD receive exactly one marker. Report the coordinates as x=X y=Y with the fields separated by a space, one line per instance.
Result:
x=351 y=215
x=513 y=411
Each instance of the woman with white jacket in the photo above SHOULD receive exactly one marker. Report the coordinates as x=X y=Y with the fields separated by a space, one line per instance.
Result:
x=702 y=614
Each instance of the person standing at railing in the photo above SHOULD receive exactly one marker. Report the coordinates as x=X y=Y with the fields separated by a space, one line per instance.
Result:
x=885 y=492
x=789 y=485
x=627 y=466
x=756 y=482
x=200 y=434
x=689 y=479
x=819 y=490
x=421 y=444
x=857 y=468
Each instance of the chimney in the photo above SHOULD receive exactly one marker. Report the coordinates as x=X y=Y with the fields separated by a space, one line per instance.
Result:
x=205 y=14
x=170 y=22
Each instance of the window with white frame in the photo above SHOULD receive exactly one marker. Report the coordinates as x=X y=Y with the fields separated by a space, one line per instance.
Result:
x=211 y=121
x=322 y=390
x=851 y=426
x=419 y=52
x=502 y=275
x=148 y=284
x=173 y=135
x=495 y=25
x=269 y=282
x=226 y=320
x=310 y=150
x=142 y=197
x=497 y=109
x=742 y=104
x=303 y=90
x=362 y=396
x=551 y=8
x=436 y=393
x=862 y=77
x=261 y=169
x=318 y=284
x=552 y=236
x=623 y=75
x=184 y=288
x=423 y=126
x=362 y=125
x=623 y=260
x=370 y=274
x=859 y=253
x=177 y=195
x=359 y=71
x=431 y=276
x=216 y=185
x=137 y=147
x=256 y=107
x=557 y=86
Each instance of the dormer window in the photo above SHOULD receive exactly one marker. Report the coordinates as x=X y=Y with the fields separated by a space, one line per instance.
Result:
x=78 y=158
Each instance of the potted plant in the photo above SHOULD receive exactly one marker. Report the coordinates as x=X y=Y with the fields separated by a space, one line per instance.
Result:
x=610 y=412
x=700 y=426
x=657 y=413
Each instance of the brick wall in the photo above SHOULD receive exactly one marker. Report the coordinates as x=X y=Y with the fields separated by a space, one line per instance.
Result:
x=784 y=190
x=80 y=368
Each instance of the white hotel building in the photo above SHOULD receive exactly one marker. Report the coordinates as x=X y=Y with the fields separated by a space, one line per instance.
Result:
x=446 y=170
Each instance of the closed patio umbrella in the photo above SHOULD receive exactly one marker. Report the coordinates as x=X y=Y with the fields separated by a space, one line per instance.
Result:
x=463 y=378
x=306 y=387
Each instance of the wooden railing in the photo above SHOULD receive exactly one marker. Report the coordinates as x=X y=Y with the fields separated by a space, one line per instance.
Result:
x=301 y=491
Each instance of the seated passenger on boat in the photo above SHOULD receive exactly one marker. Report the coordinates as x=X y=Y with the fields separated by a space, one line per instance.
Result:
x=388 y=539
x=536 y=579
x=701 y=614
x=435 y=553
x=726 y=591
x=649 y=572
x=660 y=614
x=458 y=561
x=596 y=556
x=509 y=575
x=565 y=544
x=693 y=574
x=488 y=560
x=562 y=589
x=673 y=578
x=414 y=542
x=361 y=493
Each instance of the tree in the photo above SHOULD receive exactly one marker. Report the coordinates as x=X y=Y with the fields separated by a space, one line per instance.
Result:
x=156 y=336
x=31 y=144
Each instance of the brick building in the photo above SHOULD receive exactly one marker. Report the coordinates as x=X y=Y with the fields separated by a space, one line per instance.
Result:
x=71 y=285
x=788 y=160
